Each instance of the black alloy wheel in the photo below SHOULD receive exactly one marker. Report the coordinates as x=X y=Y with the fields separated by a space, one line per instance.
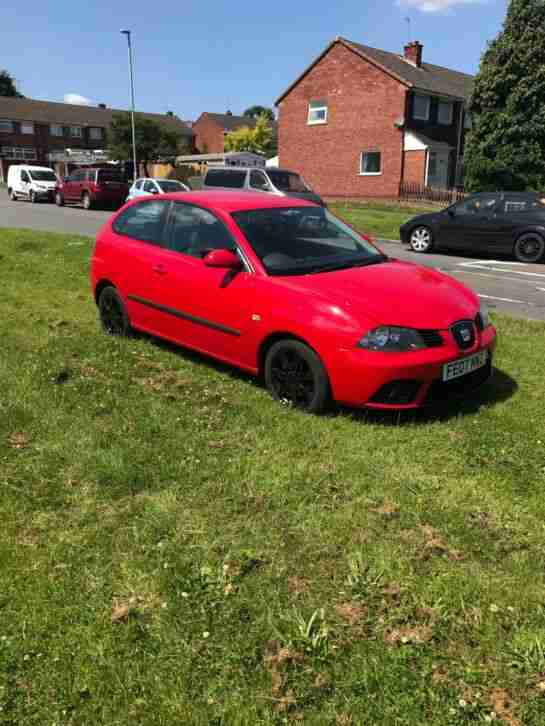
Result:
x=113 y=313
x=295 y=376
x=529 y=247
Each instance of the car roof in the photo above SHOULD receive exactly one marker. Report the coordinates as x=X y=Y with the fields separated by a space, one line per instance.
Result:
x=157 y=179
x=251 y=168
x=236 y=201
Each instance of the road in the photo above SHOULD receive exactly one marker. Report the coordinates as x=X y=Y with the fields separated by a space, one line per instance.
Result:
x=507 y=286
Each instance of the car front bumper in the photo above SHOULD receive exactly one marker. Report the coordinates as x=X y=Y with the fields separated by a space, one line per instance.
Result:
x=367 y=379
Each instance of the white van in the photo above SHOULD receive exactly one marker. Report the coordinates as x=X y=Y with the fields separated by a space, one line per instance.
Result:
x=31 y=182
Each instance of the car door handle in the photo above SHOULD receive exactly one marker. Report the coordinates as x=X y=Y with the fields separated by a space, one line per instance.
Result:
x=159 y=269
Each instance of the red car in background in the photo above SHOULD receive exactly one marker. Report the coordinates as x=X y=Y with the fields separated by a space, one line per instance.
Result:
x=92 y=188
x=284 y=289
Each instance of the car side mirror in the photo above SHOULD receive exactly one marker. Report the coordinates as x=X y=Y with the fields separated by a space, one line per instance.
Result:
x=224 y=259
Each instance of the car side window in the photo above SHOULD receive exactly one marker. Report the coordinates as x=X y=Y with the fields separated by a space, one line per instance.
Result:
x=229 y=178
x=196 y=231
x=513 y=205
x=24 y=177
x=144 y=221
x=138 y=184
x=476 y=205
x=258 y=181
x=149 y=186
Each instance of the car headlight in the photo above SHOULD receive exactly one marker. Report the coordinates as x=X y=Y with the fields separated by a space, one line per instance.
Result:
x=485 y=315
x=392 y=340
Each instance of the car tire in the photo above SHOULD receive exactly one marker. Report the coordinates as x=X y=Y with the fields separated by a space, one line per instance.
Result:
x=59 y=201
x=32 y=196
x=421 y=239
x=529 y=247
x=86 y=201
x=295 y=376
x=114 y=318
x=13 y=196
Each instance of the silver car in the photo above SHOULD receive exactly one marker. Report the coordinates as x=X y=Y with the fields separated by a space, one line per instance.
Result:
x=146 y=186
x=282 y=182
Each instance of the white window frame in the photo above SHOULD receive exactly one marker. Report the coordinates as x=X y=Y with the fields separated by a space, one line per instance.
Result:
x=76 y=132
x=8 y=128
x=56 y=130
x=450 y=107
x=428 y=103
x=316 y=109
x=370 y=173
x=95 y=133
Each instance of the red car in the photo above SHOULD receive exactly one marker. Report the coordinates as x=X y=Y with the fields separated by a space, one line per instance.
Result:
x=92 y=188
x=283 y=289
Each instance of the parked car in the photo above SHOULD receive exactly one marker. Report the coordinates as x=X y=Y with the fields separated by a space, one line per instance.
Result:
x=282 y=182
x=92 y=188
x=511 y=223
x=147 y=186
x=31 y=182
x=288 y=291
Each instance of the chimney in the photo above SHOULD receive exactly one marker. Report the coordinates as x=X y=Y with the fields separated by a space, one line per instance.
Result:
x=102 y=105
x=228 y=113
x=170 y=113
x=413 y=53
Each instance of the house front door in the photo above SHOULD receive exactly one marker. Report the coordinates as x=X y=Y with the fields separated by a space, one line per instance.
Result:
x=438 y=169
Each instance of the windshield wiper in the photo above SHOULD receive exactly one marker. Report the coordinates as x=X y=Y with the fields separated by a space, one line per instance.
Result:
x=347 y=265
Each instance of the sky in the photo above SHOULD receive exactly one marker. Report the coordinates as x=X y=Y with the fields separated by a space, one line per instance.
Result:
x=192 y=56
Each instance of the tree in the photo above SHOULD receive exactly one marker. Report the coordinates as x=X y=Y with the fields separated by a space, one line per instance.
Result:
x=259 y=140
x=154 y=142
x=256 y=111
x=506 y=146
x=7 y=86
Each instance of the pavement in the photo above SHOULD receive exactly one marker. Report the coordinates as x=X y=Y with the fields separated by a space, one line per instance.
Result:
x=507 y=286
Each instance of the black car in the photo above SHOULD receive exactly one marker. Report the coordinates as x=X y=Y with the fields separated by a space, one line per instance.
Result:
x=508 y=223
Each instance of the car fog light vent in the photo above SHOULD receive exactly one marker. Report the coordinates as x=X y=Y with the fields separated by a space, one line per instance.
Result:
x=397 y=393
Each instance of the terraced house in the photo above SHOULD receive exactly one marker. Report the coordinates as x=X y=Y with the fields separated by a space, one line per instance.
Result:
x=61 y=135
x=363 y=122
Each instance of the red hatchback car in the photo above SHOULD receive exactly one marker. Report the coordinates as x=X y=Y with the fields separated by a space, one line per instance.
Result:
x=284 y=289
x=92 y=188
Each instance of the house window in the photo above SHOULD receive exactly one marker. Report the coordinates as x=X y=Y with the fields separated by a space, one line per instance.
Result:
x=317 y=112
x=56 y=130
x=6 y=127
x=421 y=107
x=20 y=153
x=95 y=134
x=76 y=131
x=370 y=163
x=445 y=112
x=27 y=127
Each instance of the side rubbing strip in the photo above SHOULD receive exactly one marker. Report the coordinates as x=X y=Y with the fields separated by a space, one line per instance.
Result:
x=184 y=316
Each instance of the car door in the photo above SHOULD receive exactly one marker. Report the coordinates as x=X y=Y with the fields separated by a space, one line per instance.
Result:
x=471 y=224
x=205 y=308
x=139 y=268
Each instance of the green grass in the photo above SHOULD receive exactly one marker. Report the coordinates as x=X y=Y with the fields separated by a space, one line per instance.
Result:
x=379 y=219
x=176 y=548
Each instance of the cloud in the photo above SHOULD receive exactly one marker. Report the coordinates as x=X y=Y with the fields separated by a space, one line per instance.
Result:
x=77 y=99
x=436 y=6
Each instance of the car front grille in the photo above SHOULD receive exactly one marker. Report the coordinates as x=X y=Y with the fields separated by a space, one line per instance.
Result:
x=442 y=391
x=432 y=338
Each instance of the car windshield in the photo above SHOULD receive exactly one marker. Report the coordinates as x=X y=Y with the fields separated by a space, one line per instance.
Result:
x=170 y=186
x=42 y=175
x=304 y=240
x=287 y=181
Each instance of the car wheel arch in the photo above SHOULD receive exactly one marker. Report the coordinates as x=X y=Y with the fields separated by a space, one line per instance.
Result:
x=101 y=284
x=273 y=338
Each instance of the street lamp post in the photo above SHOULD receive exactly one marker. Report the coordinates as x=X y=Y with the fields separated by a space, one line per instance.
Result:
x=135 y=170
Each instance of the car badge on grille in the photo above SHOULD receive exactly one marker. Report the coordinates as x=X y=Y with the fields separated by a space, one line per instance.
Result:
x=466 y=334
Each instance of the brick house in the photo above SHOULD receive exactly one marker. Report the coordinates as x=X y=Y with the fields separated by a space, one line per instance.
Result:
x=358 y=122
x=41 y=132
x=210 y=130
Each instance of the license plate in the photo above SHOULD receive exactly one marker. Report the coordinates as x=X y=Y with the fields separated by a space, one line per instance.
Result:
x=463 y=366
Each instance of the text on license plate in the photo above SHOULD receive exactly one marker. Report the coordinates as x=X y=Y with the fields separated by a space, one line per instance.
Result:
x=463 y=366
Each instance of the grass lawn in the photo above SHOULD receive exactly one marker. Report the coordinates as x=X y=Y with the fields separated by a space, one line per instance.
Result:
x=176 y=548
x=378 y=219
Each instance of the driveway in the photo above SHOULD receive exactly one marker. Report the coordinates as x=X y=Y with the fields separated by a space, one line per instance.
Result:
x=507 y=286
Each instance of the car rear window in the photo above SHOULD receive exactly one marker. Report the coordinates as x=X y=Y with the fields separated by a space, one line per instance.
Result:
x=107 y=175
x=231 y=178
